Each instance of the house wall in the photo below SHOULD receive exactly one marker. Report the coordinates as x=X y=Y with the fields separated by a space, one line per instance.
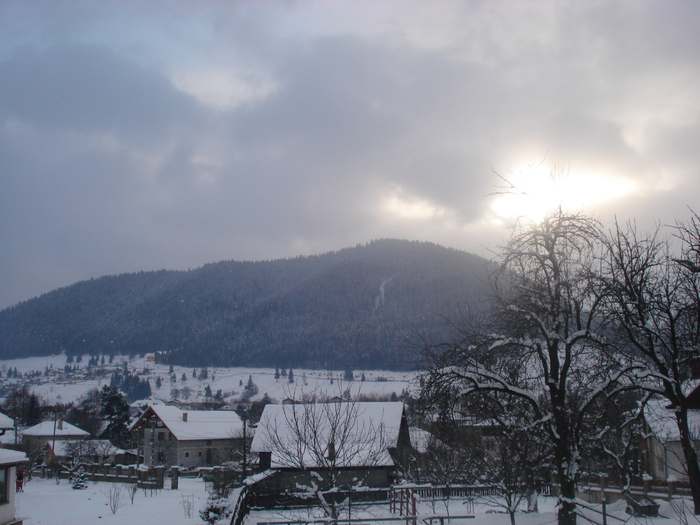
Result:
x=292 y=479
x=199 y=453
x=7 y=510
x=667 y=459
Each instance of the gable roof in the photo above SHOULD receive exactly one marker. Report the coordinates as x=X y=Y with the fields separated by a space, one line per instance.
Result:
x=296 y=434
x=50 y=428
x=199 y=424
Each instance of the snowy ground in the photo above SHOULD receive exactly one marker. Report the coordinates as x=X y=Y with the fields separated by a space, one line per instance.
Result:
x=45 y=502
x=485 y=515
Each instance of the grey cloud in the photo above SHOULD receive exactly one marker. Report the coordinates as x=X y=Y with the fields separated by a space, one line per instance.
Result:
x=87 y=89
x=308 y=167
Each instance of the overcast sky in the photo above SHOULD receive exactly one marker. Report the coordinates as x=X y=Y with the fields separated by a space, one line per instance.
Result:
x=148 y=135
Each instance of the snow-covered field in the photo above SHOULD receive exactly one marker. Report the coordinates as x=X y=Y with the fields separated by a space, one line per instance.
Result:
x=45 y=502
x=229 y=380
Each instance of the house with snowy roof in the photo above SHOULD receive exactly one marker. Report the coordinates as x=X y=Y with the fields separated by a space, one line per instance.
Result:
x=168 y=435
x=34 y=438
x=663 y=456
x=329 y=445
x=9 y=460
x=6 y=423
x=86 y=451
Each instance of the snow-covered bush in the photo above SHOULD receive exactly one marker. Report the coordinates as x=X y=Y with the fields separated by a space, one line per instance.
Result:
x=77 y=479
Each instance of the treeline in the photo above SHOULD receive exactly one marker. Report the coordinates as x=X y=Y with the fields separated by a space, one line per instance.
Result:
x=357 y=307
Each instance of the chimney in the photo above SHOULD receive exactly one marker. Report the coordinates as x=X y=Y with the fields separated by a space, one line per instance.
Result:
x=184 y=417
x=60 y=423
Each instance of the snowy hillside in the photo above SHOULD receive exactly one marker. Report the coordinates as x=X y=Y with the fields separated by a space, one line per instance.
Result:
x=53 y=384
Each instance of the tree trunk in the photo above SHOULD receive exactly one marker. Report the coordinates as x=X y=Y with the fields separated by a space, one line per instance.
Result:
x=567 y=504
x=691 y=457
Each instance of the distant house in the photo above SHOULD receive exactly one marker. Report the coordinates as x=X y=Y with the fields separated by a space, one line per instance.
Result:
x=297 y=443
x=167 y=435
x=9 y=459
x=86 y=451
x=34 y=438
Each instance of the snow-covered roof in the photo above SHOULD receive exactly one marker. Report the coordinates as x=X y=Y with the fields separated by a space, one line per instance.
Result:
x=51 y=428
x=419 y=439
x=6 y=422
x=296 y=434
x=662 y=421
x=199 y=424
x=11 y=457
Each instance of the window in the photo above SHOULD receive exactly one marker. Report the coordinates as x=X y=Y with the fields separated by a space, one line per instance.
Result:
x=187 y=454
x=161 y=436
x=161 y=456
x=3 y=485
x=200 y=453
x=265 y=460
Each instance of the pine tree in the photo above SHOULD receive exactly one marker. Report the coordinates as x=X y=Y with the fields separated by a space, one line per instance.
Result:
x=77 y=480
x=290 y=376
x=217 y=509
x=207 y=391
x=115 y=410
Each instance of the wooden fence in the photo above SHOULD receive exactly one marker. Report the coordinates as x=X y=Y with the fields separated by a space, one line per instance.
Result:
x=152 y=478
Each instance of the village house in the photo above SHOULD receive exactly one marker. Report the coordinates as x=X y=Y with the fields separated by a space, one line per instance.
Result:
x=34 y=438
x=73 y=452
x=167 y=435
x=296 y=449
x=661 y=454
x=9 y=460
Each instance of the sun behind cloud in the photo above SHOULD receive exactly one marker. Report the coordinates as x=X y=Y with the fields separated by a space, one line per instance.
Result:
x=535 y=191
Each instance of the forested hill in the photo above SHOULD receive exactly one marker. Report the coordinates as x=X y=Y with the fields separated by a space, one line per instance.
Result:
x=354 y=308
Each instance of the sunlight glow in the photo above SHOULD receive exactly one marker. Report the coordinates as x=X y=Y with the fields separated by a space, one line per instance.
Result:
x=537 y=191
x=407 y=207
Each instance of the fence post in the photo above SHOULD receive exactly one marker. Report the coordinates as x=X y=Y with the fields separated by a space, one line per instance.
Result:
x=174 y=477
x=160 y=477
x=216 y=478
x=672 y=483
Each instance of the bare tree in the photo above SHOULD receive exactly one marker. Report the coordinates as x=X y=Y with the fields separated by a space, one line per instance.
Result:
x=655 y=298
x=332 y=442
x=545 y=344
x=113 y=493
